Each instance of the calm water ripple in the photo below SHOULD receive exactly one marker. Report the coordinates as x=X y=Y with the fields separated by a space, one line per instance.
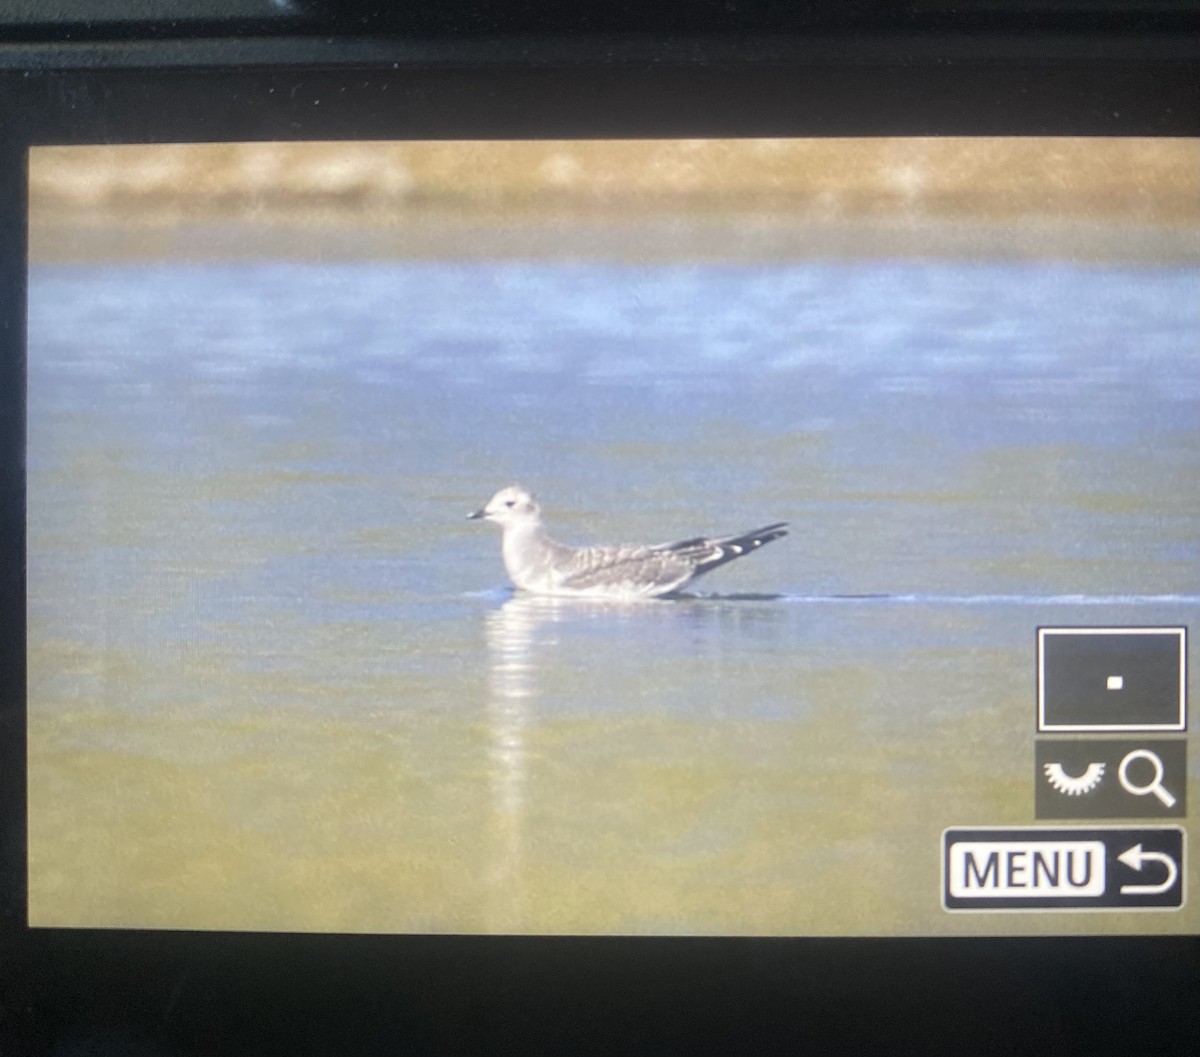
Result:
x=274 y=684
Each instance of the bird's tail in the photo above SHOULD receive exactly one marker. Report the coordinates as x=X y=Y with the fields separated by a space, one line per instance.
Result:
x=710 y=553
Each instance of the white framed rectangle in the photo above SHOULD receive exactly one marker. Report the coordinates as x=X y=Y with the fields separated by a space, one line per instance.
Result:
x=1178 y=723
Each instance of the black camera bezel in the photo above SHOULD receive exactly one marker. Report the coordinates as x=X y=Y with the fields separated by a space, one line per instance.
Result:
x=180 y=992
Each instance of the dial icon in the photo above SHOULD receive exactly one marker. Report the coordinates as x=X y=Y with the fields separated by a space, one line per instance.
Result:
x=1070 y=785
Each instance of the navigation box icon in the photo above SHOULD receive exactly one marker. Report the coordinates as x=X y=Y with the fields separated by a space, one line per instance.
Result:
x=1112 y=679
x=1110 y=868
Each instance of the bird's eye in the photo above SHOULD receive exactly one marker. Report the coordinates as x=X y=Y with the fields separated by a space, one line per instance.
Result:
x=510 y=502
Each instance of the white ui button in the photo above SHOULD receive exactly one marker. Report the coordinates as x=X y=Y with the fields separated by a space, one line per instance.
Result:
x=1020 y=869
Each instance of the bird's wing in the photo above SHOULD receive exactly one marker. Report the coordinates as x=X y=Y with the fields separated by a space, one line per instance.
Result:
x=707 y=553
x=639 y=570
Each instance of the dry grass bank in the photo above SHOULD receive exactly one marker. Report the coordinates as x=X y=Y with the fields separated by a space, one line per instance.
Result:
x=375 y=188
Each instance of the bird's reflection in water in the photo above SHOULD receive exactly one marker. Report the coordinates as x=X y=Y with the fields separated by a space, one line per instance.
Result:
x=517 y=643
x=523 y=635
x=512 y=684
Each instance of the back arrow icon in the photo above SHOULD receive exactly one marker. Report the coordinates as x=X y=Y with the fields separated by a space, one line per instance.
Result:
x=1135 y=858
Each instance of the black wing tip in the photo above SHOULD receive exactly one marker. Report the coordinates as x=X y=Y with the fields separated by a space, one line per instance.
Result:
x=767 y=532
x=730 y=546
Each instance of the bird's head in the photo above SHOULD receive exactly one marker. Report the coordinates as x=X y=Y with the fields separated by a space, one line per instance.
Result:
x=513 y=505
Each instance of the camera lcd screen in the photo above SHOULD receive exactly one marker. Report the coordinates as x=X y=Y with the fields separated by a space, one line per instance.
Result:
x=837 y=557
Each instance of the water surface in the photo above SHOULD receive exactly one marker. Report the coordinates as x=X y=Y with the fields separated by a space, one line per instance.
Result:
x=277 y=680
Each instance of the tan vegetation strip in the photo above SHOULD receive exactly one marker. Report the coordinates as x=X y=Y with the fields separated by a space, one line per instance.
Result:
x=1144 y=180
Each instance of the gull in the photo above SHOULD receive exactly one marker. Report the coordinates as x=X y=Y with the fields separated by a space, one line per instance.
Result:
x=542 y=566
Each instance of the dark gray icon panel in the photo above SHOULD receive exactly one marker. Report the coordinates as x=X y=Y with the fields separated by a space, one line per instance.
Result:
x=1110 y=778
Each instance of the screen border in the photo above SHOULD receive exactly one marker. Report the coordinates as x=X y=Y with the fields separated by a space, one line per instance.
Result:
x=181 y=992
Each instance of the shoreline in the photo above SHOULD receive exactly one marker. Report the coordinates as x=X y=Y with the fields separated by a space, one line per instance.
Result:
x=650 y=237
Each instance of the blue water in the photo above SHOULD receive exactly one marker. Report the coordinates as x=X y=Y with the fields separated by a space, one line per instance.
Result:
x=247 y=500
x=984 y=411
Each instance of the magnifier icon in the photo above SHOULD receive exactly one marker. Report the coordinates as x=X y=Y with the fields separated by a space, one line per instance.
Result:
x=1154 y=786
